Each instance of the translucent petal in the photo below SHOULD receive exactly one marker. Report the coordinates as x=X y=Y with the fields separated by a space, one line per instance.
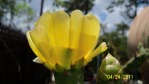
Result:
x=39 y=36
x=34 y=48
x=42 y=43
x=75 y=54
x=49 y=65
x=76 y=26
x=38 y=53
x=61 y=24
x=56 y=32
x=46 y=22
x=64 y=56
x=101 y=48
x=89 y=35
x=46 y=51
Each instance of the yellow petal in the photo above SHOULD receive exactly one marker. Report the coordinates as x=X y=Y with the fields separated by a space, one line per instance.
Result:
x=89 y=35
x=61 y=22
x=76 y=54
x=76 y=26
x=34 y=48
x=46 y=22
x=41 y=40
x=101 y=48
x=91 y=25
x=38 y=53
x=39 y=37
x=47 y=51
x=49 y=65
x=63 y=56
x=52 y=35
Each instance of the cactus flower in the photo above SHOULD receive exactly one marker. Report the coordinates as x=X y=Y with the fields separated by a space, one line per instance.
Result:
x=61 y=41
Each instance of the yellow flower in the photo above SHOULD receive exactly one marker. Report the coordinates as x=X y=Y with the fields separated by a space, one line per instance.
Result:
x=63 y=41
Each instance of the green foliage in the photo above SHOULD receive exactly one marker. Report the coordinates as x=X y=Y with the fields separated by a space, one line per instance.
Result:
x=70 y=5
x=7 y=6
x=23 y=7
x=130 y=7
x=12 y=10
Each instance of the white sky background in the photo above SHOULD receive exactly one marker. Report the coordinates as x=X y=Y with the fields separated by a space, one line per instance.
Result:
x=99 y=10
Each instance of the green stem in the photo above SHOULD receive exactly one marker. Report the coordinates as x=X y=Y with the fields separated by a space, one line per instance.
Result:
x=70 y=77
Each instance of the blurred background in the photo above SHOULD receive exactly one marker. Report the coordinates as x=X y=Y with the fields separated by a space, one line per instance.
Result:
x=124 y=26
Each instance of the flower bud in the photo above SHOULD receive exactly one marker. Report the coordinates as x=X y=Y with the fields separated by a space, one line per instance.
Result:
x=109 y=66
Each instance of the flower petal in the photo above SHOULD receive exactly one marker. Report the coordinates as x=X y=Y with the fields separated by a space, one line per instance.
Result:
x=37 y=60
x=56 y=30
x=46 y=22
x=101 y=48
x=34 y=48
x=41 y=40
x=77 y=18
x=46 y=51
x=61 y=22
x=75 y=28
x=89 y=35
x=63 y=56
x=38 y=53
